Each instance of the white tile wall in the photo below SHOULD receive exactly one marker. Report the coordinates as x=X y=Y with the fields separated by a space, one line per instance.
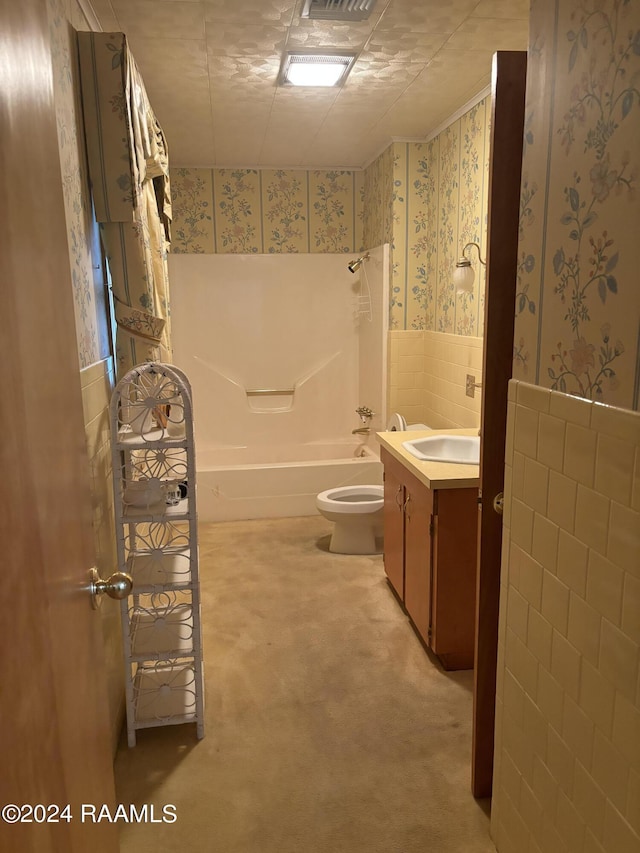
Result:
x=567 y=755
x=427 y=373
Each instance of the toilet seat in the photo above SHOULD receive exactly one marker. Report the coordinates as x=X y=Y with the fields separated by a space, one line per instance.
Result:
x=396 y=423
x=351 y=499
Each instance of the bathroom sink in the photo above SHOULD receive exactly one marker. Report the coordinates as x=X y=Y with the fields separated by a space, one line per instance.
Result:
x=464 y=449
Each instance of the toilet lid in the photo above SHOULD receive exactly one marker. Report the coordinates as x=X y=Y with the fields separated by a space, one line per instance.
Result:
x=396 y=423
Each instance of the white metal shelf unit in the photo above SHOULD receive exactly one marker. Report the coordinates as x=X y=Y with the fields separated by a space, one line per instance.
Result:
x=154 y=482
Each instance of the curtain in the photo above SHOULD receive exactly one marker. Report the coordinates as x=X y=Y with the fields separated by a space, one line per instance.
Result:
x=129 y=172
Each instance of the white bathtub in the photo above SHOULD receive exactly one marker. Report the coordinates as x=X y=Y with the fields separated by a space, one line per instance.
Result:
x=277 y=481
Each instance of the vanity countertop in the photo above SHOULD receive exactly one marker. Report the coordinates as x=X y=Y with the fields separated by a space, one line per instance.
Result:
x=435 y=475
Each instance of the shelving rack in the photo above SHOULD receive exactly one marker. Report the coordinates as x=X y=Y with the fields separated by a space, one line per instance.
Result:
x=154 y=482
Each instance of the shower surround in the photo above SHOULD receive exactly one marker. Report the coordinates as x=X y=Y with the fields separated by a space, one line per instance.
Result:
x=300 y=325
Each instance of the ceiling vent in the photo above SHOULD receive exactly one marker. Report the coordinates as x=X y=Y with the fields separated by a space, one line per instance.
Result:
x=338 y=10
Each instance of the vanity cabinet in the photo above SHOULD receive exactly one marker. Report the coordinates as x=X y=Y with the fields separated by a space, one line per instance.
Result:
x=430 y=537
x=157 y=544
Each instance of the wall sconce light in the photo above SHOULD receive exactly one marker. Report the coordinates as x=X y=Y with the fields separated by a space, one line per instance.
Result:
x=463 y=275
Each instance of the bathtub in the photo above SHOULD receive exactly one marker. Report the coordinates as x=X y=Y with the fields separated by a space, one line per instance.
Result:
x=277 y=481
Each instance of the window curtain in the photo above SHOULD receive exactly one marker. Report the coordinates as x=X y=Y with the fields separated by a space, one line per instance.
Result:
x=129 y=172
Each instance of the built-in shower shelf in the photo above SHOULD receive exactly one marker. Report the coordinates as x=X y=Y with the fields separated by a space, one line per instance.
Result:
x=157 y=544
x=270 y=392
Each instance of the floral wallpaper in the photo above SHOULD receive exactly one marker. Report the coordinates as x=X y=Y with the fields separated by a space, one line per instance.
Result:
x=84 y=245
x=578 y=302
x=250 y=211
x=427 y=199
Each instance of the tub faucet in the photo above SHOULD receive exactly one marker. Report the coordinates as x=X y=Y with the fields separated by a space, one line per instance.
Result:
x=361 y=431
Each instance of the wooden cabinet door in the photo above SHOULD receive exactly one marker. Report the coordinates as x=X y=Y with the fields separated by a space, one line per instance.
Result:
x=393 y=519
x=453 y=587
x=417 y=555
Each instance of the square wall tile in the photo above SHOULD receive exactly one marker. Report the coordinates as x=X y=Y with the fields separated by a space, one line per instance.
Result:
x=545 y=542
x=618 y=834
x=562 y=497
x=530 y=579
x=580 y=454
x=550 y=697
x=610 y=770
x=631 y=608
x=597 y=697
x=521 y=524
x=614 y=468
x=604 y=587
x=592 y=519
x=619 y=659
x=536 y=485
x=626 y=729
x=565 y=664
x=589 y=799
x=571 y=566
x=526 y=431
x=555 y=602
x=551 y=439
x=584 y=629
x=624 y=538
x=533 y=396
x=575 y=410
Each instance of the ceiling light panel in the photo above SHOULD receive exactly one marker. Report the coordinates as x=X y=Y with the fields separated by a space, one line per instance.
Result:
x=313 y=69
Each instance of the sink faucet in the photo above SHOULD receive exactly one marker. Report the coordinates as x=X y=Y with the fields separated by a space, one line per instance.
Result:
x=361 y=431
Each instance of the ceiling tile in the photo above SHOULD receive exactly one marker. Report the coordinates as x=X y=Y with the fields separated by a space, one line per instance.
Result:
x=236 y=39
x=211 y=67
x=322 y=34
x=377 y=76
x=170 y=60
x=502 y=9
x=490 y=34
x=180 y=19
x=243 y=77
x=429 y=16
x=402 y=46
x=250 y=12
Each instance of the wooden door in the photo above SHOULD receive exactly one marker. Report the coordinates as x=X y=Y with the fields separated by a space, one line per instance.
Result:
x=418 y=510
x=507 y=124
x=393 y=520
x=54 y=737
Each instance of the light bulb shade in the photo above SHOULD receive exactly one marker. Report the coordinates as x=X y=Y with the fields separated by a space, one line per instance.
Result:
x=315 y=69
x=463 y=277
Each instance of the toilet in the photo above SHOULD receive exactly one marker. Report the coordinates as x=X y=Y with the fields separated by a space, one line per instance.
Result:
x=357 y=514
x=357 y=510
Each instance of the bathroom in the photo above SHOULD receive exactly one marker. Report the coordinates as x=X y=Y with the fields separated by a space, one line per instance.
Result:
x=434 y=340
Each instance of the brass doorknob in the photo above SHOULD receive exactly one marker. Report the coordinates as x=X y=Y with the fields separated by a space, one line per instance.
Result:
x=118 y=586
x=498 y=503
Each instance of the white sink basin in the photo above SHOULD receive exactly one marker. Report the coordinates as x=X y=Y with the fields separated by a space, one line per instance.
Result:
x=464 y=449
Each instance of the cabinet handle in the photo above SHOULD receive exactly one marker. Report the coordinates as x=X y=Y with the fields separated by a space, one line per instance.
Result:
x=406 y=506
x=399 y=495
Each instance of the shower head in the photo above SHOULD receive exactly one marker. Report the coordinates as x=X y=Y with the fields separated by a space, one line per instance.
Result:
x=354 y=266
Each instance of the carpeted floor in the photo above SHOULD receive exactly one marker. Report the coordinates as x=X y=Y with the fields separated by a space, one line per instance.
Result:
x=329 y=728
